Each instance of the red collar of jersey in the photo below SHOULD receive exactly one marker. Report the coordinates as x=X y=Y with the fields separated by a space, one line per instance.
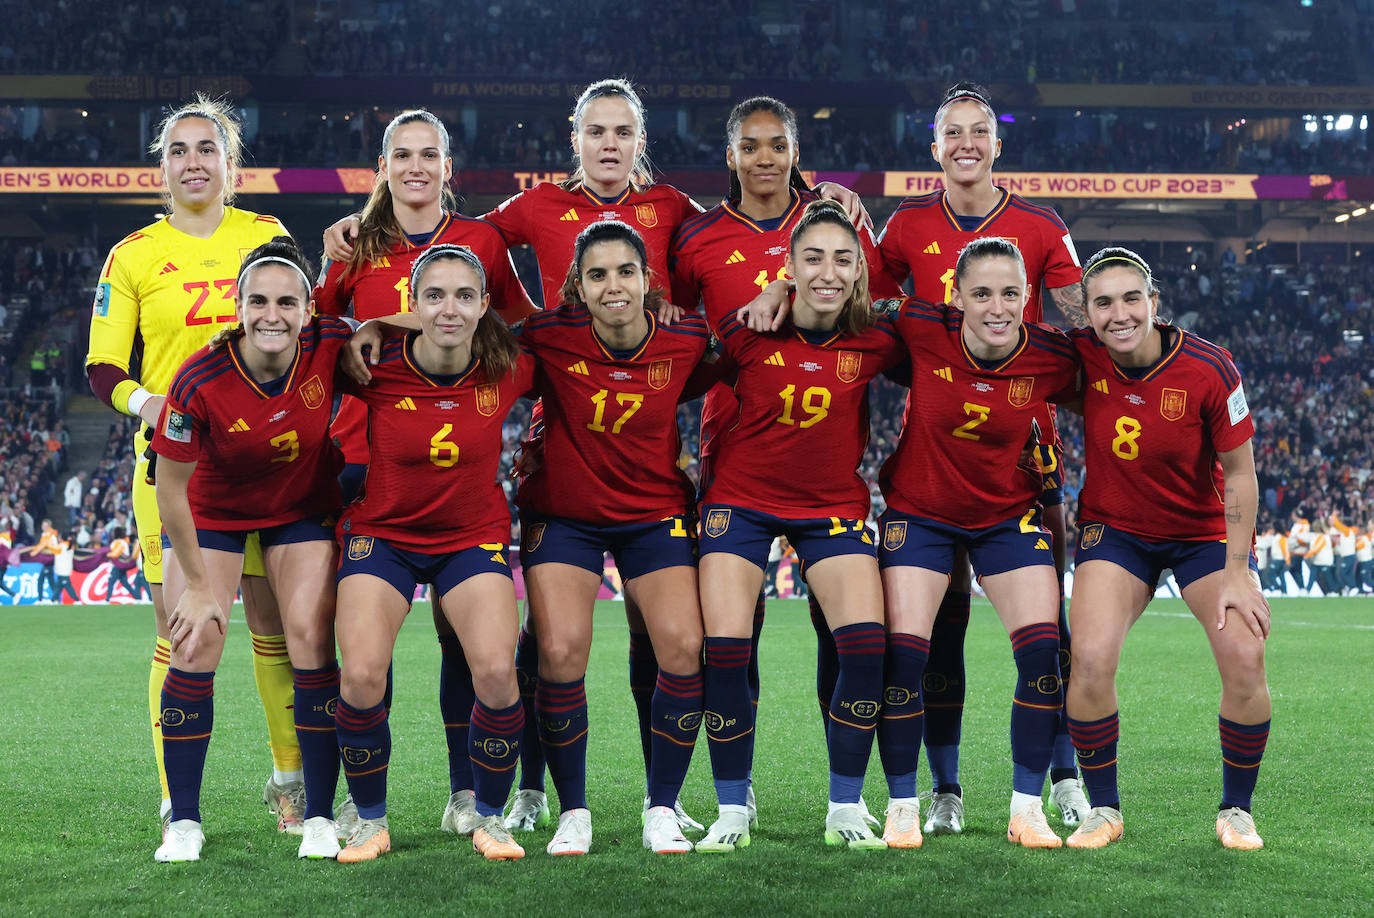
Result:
x=975 y=364
x=247 y=377
x=409 y=359
x=639 y=349
x=953 y=218
x=1164 y=361
x=793 y=206
x=596 y=200
x=434 y=234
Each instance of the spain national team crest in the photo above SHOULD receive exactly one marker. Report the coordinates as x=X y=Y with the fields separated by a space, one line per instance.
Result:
x=646 y=215
x=488 y=399
x=359 y=547
x=717 y=523
x=1019 y=391
x=1092 y=534
x=312 y=392
x=660 y=371
x=152 y=548
x=534 y=534
x=847 y=365
x=1172 y=403
x=894 y=535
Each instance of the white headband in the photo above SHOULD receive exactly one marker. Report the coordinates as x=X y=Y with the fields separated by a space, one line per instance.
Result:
x=277 y=258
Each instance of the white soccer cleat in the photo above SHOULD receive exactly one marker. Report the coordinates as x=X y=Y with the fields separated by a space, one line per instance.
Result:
x=869 y=818
x=182 y=842
x=319 y=839
x=492 y=840
x=903 y=826
x=369 y=841
x=1102 y=826
x=663 y=832
x=751 y=807
x=1029 y=828
x=574 y=835
x=946 y=815
x=287 y=801
x=1236 y=830
x=529 y=810
x=1067 y=797
x=729 y=832
x=346 y=819
x=461 y=813
x=846 y=825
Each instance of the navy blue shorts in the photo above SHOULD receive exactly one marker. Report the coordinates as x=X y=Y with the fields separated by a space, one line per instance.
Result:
x=1050 y=459
x=405 y=569
x=638 y=548
x=1147 y=559
x=318 y=528
x=917 y=541
x=749 y=534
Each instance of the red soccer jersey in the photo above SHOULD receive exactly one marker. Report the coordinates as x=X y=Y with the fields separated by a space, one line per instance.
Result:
x=611 y=443
x=1151 y=443
x=794 y=447
x=383 y=289
x=548 y=218
x=263 y=453
x=958 y=460
x=923 y=239
x=433 y=479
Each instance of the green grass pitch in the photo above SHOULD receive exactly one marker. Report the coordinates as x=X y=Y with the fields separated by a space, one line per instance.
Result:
x=81 y=797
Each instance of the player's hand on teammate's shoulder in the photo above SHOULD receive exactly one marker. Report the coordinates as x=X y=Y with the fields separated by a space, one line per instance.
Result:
x=339 y=238
x=850 y=201
x=766 y=311
x=668 y=313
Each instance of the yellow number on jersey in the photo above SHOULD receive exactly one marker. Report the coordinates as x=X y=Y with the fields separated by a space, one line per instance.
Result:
x=815 y=401
x=948 y=280
x=442 y=452
x=288 y=444
x=979 y=414
x=632 y=399
x=1127 y=434
x=762 y=279
x=403 y=285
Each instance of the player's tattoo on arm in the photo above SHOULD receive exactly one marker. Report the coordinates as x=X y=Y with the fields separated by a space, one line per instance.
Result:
x=1070 y=302
x=1233 y=511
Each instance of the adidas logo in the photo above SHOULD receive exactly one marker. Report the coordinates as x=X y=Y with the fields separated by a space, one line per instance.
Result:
x=1101 y=386
x=570 y=215
x=1041 y=544
x=168 y=268
x=932 y=249
x=775 y=360
x=580 y=368
x=406 y=404
x=239 y=426
x=735 y=258
x=945 y=373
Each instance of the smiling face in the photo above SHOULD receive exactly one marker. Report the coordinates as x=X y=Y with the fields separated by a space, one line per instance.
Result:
x=194 y=163
x=607 y=142
x=826 y=263
x=450 y=302
x=612 y=283
x=992 y=295
x=273 y=305
x=1122 y=310
x=762 y=156
x=415 y=166
x=965 y=143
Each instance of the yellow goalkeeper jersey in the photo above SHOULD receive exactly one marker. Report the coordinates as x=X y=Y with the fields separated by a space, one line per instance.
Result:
x=163 y=294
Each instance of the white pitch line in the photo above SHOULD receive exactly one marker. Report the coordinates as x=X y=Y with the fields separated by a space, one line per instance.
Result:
x=1276 y=621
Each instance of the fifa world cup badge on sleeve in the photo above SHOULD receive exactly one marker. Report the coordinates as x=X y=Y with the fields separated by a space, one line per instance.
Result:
x=101 y=306
x=178 y=427
x=1236 y=406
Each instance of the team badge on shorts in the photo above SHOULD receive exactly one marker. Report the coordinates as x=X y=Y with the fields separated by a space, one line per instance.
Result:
x=312 y=392
x=1172 y=403
x=488 y=399
x=894 y=535
x=1019 y=391
x=646 y=215
x=847 y=365
x=717 y=523
x=359 y=547
x=534 y=534
x=1092 y=534
x=152 y=547
x=660 y=371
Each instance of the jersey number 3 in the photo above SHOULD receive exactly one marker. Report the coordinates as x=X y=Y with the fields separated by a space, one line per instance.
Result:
x=227 y=287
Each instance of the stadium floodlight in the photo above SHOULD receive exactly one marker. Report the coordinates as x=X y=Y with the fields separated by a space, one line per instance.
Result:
x=1359 y=212
x=1345 y=122
x=1341 y=218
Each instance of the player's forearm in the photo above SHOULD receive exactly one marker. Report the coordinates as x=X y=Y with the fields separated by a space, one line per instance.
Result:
x=1241 y=498
x=115 y=388
x=1070 y=302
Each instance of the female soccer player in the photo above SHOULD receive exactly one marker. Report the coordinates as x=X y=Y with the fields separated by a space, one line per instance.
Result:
x=432 y=511
x=922 y=240
x=412 y=208
x=1166 y=427
x=612 y=377
x=786 y=466
x=243 y=446
x=963 y=476
x=163 y=292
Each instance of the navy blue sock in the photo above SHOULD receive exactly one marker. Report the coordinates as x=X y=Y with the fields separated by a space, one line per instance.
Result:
x=855 y=707
x=562 y=711
x=754 y=651
x=677 y=719
x=1242 y=747
x=188 y=716
x=1095 y=741
x=456 y=699
x=899 y=731
x=1036 y=705
x=827 y=661
x=527 y=677
x=729 y=717
x=494 y=750
x=943 y=687
x=365 y=746
x=1063 y=765
x=643 y=676
x=316 y=696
